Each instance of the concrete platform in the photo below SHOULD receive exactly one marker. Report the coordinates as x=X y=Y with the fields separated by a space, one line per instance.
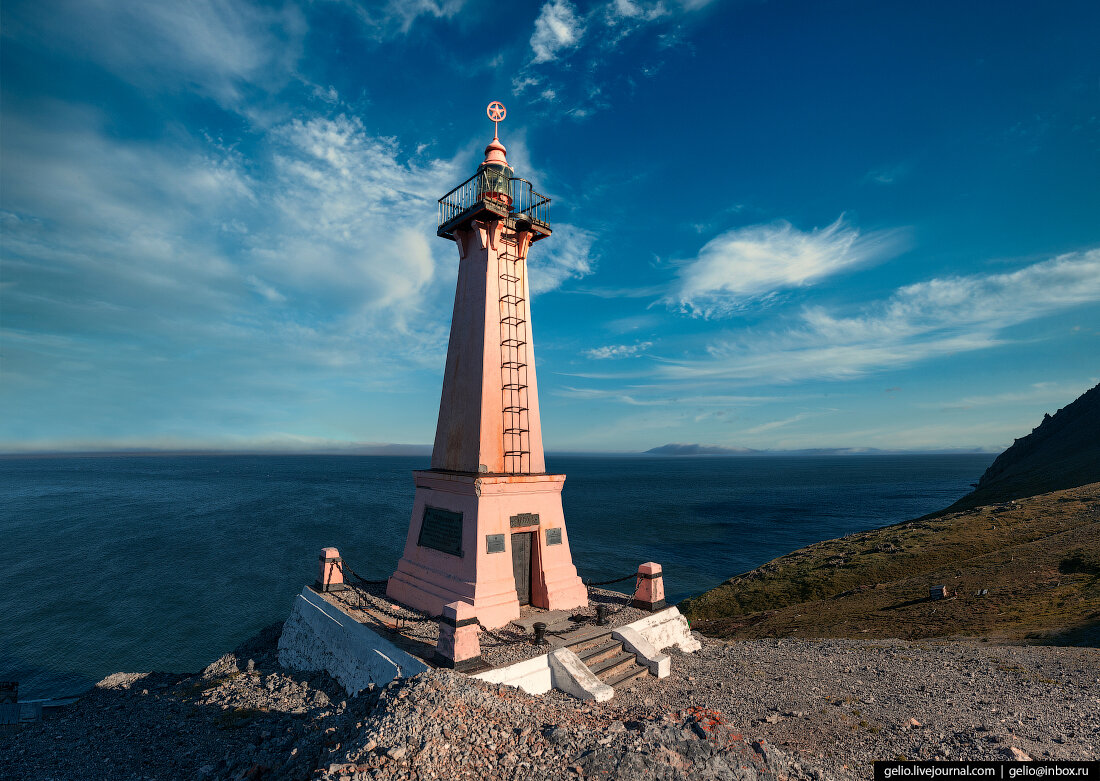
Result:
x=359 y=650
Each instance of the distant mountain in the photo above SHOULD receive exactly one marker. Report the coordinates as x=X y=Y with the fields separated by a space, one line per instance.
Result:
x=678 y=449
x=1061 y=452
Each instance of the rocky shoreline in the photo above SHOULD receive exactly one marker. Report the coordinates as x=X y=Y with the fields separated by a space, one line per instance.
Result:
x=783 y=709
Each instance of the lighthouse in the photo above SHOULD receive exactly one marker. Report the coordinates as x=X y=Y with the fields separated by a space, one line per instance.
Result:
x=487 y=524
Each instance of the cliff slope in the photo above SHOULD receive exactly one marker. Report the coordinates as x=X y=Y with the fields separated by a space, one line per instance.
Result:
x=1061 y=452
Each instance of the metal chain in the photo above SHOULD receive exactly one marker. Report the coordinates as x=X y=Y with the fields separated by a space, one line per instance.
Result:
x=609 y=582
x=422 y=617
x=417 y=617
x=344 y=566
x=498 y=638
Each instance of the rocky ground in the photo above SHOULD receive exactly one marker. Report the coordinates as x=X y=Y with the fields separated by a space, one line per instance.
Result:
x=781 y=709
x=841 y=704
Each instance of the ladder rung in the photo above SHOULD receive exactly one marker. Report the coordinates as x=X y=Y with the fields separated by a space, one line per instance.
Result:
x=514 y=386
x=510 y=299
x=514 y=365
x=516 y=453
x=509 y=278
x=513 y=343
x=514 y=410
x=514 y=431
x=510 y=320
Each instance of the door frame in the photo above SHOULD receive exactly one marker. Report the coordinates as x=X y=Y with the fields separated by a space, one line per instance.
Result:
x=532 y=555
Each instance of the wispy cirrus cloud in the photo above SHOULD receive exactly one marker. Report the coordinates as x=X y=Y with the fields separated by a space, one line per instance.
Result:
x=774 y=424
x=888 y=174
x=138 y=270
x=659 y=396
x=562 y=31
x=558 y=30
x=384 y=18
x=1038 y=392
x=223 y=49
x=926 y=320
x=568 y=256
x=618 y=350
x=745 y=265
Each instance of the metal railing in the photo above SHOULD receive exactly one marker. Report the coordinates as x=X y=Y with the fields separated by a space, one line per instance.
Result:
x=513 y=194
x=526 y=201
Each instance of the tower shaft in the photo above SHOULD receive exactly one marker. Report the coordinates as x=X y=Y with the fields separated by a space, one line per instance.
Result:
x=489 y=411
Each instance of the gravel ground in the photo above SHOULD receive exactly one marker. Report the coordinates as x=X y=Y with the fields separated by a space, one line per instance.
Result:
x=842 y=704
x=761 y=709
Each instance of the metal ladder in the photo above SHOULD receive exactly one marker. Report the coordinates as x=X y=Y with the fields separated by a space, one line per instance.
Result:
x=513 y=359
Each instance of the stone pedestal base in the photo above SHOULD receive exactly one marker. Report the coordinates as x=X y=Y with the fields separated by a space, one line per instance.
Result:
x=458 y=646
x=650 y=594
x=469 y=558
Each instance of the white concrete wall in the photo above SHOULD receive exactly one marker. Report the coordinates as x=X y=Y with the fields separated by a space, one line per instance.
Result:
x=572 y=676
x=667 y=628
x=532 y=676
x=321 y=636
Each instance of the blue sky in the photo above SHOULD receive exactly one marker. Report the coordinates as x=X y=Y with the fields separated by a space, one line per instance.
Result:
x=777 y=225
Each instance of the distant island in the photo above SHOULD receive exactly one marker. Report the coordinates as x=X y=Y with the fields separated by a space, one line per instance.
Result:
x=682 y=449
x=678 y=449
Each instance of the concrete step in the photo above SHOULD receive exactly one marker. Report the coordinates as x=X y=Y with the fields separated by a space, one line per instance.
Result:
x=597 y=653
x=628 y=676
x=582 y=639
x=551 y=618
x=610 y=667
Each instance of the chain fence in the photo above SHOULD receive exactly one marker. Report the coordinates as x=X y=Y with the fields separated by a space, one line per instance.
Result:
x=412 y=615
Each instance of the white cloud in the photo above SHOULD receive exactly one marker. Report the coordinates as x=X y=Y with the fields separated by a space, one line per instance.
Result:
x=918 y=322
x=352 y=216
x=624 y=17
x=981 y=301
x=557 y=30
x=774 y=424
x=407 y=11
x=222 y=48
x=888 y=174
x=629 y=9
x=752 y=263
x=618 y=350
x=1036 y=393
x=155 y=281
x=565 y=255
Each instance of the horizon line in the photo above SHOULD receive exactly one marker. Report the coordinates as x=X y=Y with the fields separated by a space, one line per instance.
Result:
x=426 y=451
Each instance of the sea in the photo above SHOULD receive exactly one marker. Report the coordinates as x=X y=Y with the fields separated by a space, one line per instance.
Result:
x=158 y=562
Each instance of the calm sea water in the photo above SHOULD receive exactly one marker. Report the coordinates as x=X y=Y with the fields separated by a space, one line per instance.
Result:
x=165 y=562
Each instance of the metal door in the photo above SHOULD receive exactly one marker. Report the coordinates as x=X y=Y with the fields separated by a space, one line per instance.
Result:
x=521 y=564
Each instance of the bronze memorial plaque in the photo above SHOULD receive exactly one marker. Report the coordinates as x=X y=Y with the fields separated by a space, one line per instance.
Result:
x=553 y=536
x=441 y=531
x=524 y=519
x=494 y=543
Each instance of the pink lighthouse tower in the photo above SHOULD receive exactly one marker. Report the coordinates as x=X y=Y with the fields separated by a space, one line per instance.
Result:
x=487 y=524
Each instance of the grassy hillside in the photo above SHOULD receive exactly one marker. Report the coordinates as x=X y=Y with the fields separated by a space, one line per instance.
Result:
x=1038 y=558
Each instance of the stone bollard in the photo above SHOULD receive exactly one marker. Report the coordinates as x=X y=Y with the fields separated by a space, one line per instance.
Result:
x=9 y=703
x=650 y=594
x=331 y=577
x=458 y=646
